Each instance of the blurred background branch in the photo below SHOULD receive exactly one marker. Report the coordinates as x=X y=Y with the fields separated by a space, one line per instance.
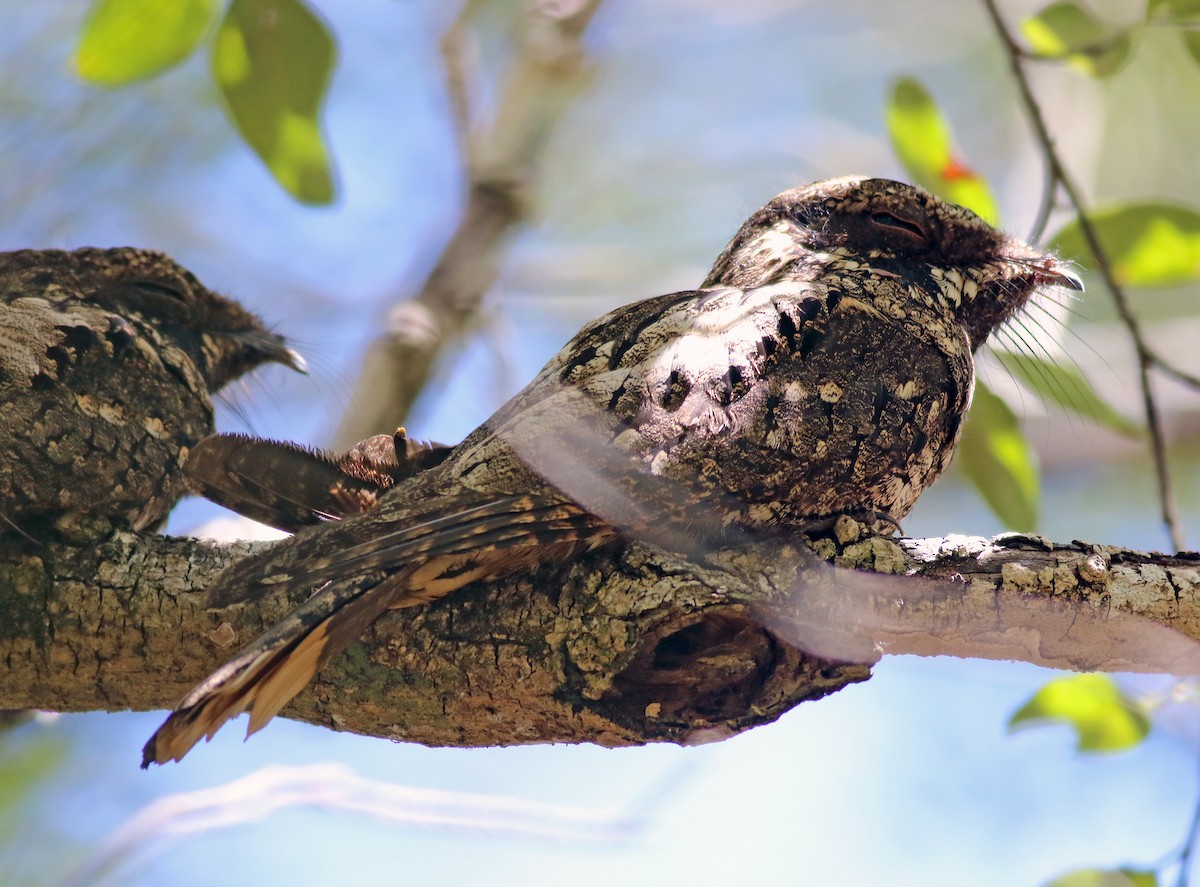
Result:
x=502 y=150
x=337 y=788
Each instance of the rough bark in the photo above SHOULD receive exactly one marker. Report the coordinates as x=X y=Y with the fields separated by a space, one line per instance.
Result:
x=619 y=649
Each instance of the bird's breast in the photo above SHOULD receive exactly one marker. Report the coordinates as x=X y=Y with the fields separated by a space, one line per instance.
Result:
x=796 y=409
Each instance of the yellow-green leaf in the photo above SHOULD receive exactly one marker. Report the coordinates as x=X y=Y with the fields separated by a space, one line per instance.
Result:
x=124 y=41
x=1191 y=42
x=22 y=767
x=1148 y=244
x=999 y=461
x=1068 y=31
x=1103 y=717
x=921 y=139
x=1067 y=387
x=1173 y=11
x=1122 y=877
x=272 y=60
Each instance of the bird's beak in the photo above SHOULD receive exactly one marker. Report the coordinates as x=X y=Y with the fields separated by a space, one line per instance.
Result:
x=296 y=361
x=272 y=347
x=1056 y=275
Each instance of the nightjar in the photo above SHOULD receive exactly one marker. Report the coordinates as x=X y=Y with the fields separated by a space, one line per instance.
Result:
x=823 y=368
x=108 y=358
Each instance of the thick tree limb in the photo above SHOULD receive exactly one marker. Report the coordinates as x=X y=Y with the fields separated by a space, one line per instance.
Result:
x=616 y=650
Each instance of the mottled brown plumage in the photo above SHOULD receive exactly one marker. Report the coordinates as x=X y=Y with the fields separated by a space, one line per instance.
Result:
x=108 y=358
x=824 y=368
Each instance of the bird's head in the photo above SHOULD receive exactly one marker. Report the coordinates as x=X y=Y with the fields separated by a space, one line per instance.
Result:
x=223 y=339
x=854 y=233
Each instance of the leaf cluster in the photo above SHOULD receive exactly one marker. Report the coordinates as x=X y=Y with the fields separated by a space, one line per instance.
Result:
x=271 y=61
x=1147 y=243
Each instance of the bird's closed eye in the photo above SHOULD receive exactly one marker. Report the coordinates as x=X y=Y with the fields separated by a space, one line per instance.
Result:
x=158 y=289
x=894 y=222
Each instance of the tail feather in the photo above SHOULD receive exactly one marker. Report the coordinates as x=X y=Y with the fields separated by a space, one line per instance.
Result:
x=457 y=525
x=244 y=474
x=524 y=520
x=425 y=560
x=290 y=486
x=285 y=678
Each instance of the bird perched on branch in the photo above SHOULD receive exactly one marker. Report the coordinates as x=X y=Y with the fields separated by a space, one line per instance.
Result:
x=823 y=368
x=108 y=358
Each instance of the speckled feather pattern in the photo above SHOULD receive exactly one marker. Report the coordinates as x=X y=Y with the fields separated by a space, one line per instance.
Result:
x=823 y=368
x=108 y=358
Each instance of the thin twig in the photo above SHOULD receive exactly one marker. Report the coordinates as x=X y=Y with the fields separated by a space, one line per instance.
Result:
x=1189 y=846
x=1049 y=192
x=1189 y=379
x=1146 y=358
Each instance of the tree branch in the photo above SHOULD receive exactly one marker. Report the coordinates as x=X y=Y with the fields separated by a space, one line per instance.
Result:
x=617 y=649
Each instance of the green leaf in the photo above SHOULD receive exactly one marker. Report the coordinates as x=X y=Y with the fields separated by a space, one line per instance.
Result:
x=1067 y=387
x=1181 y=14
x=272 y=60
x=1148 y=244
x=1068 y=31
x=921 y=139
x=124 y=41
x=1191 y=42
x=1173 y=11
x=23 y=766
x=999 y=461
x=1122 y=877
x=1104 y=718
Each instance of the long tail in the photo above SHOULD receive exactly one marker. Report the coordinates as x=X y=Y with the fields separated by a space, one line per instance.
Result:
x=290 y=486
x=466 y=539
